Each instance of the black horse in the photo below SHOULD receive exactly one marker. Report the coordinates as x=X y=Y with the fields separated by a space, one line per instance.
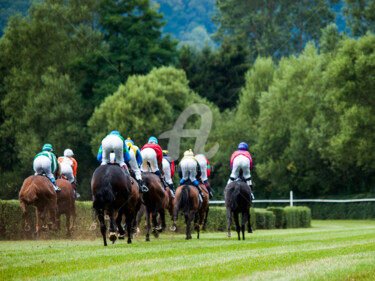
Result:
x=238 y=200
x=113 y=192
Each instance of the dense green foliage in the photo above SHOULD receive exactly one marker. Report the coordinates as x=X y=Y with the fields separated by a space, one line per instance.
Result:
x=330 y=250
x=71 y=71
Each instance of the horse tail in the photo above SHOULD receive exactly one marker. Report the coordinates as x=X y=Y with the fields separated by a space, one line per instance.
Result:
x=103 y=195
x=184 y=198
x=234 y=196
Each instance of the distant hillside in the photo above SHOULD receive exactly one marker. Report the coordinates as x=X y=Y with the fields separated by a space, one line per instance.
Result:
x=189 y=21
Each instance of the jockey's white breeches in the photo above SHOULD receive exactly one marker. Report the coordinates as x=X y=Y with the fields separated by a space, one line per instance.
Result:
x=189 y=169
x=42 y=164
x=167 y=171
x=241 y=162
x=67 y=171
x=149 y=157
x=134 y=165
x=113 y=143
x=203 y=165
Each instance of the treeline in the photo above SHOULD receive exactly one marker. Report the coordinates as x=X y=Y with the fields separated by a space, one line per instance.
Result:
x=71 y=71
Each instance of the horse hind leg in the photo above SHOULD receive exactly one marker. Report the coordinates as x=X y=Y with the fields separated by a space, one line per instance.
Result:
x=243 y=225
x=119 y=226
x=67 y=223
x=103 y=228
x=154 y=224
x=148 y=226
x=237 y=225
x=112 y=228
x=229 y=221
x=25 y=216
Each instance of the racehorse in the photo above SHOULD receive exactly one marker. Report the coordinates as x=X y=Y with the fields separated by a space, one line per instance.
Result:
x=154 y=202
x=238 y=200
x=38 y=191
x=66 y=205
x=112 y=192
x=187 y=200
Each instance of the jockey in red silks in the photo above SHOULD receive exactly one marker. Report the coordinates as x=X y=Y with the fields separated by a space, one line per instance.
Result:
x=241 y=160
x=205 y=171
x=152 y=157
x=169 y=170
x=69 y=168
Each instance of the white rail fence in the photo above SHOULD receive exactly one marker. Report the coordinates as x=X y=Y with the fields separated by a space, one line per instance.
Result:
x=291 y=200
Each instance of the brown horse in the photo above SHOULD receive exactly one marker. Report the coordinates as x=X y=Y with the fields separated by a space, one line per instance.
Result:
x=154 y=202
x=204 y=208
x=187 y=200
x=38 y=191
x=66 y=205
x=113 y=191
x=238 y=200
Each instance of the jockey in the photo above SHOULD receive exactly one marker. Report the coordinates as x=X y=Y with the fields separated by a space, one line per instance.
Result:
x=205 y=171
x=46 y=162
x=152 y=155
x=241 y=160
x=135 y=163
x=114 y=142
x=69 y=168
x=168 y=168
x=190 y=168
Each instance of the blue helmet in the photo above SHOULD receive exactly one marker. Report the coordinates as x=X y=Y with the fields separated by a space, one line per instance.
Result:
x=153 y=140
x=117 y=133
x=243 y=146
x=129 y=140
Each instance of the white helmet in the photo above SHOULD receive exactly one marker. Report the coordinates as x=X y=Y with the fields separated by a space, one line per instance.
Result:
x=68 y=152
x=188 y=153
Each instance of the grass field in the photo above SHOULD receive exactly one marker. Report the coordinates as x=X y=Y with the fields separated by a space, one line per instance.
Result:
x=329 y=250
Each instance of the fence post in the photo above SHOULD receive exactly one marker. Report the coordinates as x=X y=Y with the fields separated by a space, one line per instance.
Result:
x=291 y=198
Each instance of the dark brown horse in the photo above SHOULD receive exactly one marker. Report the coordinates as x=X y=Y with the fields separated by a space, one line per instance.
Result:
x=38 y=191
x=66 y=205
x=238 y=200
x=187 y=201
x=154 y=202
x=112 y=192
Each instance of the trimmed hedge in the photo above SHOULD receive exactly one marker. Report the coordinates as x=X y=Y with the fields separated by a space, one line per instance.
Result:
x=11 y=221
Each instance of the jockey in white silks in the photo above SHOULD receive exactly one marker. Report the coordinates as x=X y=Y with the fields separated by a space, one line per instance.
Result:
x=135 y=163
x=45 y=162
x=169 y=170
x=69 y=168
x=205 y=171
x=241 y=160
x=115 y=143
x=189 y=168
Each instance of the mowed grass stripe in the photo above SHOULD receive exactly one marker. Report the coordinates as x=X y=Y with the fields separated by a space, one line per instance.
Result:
x=264 y=253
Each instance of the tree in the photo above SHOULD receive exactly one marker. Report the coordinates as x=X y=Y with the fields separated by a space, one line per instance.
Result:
x=272 y=28
x=360 y=16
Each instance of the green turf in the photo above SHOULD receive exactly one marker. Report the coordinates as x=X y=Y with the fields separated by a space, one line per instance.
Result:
x=329 y=250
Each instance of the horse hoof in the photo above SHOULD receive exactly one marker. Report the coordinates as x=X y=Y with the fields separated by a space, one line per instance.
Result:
x=129 y=241
x=121 y=236
x=44 y=227
x=147 y=239
x=35 y=235
x=26 y=228
x=93 y=227
x=156 y=235
x=112 y=237
x=229 y=234
x=106 y=217
x=173 y=228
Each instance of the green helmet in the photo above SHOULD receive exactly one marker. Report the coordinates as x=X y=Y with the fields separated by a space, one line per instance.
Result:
x=47 y=147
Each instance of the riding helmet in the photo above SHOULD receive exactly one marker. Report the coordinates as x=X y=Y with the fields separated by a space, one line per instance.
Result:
x=47 y=147
x=153 y=140
x=243 y=146
x=68 y=153
x=117 y=133
x=129 y=140
x=188 y=153
x=165 y=152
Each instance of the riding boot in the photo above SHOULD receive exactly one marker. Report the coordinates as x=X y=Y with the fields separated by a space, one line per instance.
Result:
x=76 y=194
x=207 y=185
x=250 y=184
x=171 y=188
x=196 y=183
x=57 y=189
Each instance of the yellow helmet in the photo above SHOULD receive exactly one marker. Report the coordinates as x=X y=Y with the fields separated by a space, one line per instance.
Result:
x=165 y=152
x=188 y=153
